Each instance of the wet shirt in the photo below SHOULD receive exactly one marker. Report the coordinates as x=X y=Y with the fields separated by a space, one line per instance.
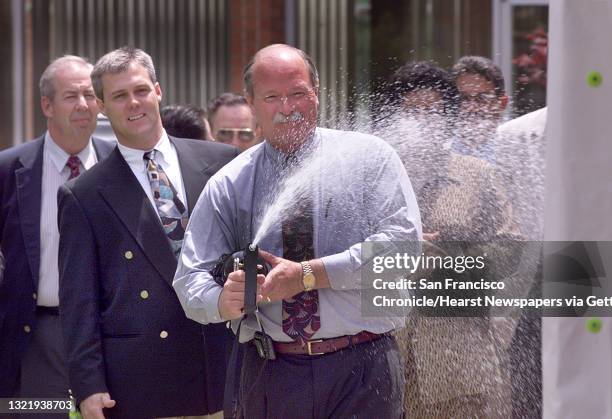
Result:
x=360 y=191
x=486 y=151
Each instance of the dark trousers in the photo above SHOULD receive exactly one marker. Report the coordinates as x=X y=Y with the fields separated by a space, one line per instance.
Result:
x=364 y=381
x=43 y=368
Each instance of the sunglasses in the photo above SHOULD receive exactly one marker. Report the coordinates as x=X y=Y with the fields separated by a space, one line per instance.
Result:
x=226 y=135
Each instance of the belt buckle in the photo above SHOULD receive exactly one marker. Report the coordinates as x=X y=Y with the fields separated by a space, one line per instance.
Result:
x=309 y=347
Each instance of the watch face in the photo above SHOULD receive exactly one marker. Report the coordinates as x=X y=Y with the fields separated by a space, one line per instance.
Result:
x=309 y=281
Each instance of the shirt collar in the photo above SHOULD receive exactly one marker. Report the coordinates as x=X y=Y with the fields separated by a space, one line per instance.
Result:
x=280 y=159
x=484 y=151
x=134 y=156
x=59 y=157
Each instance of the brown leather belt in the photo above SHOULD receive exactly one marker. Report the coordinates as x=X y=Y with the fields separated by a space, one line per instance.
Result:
x=324 y=346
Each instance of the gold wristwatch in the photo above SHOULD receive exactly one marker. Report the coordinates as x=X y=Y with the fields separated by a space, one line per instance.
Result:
x=308 y=278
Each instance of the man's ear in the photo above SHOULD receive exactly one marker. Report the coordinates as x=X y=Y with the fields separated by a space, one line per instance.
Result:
x=503 y=103
x=249 y=99
x=46 y=106
x=316 y=92
x=158 y=92
x=101 y=106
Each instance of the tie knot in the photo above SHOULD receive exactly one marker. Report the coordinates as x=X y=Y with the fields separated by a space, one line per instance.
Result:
x=74 y=164
x=150 y=155
x=73 y=161
x=290 y=162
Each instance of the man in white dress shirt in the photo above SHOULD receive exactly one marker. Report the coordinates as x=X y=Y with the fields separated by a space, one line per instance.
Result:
x=32 y=362
x=132 y=353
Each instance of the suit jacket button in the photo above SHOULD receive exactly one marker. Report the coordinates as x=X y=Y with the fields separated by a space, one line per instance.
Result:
x=27 y=328
x=163 y=334
x=34 y=296
x=129 y=255
x=144 y=294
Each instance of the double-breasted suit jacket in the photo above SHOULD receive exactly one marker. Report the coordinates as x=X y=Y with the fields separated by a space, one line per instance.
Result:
x=124 y=329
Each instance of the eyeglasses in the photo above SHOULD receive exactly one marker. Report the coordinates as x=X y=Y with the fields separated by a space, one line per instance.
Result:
x=478 y=98
x=226 y=135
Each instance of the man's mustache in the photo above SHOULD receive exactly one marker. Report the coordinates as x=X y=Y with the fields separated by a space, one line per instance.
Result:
x=295 y=116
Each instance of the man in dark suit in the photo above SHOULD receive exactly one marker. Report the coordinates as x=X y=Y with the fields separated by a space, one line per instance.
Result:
x=32 y=361
x=1 y=267
x=132 y=353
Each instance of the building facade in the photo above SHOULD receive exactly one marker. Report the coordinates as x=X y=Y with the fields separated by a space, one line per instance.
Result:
x=200 y=46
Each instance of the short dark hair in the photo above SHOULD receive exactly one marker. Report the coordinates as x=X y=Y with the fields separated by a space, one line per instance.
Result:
x=185 y=121
x=225 y=99
x=481 y=66
x=422 y=75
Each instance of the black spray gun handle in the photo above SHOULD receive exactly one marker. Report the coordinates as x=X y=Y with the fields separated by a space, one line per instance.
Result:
x=251 y=256
x=247 y=260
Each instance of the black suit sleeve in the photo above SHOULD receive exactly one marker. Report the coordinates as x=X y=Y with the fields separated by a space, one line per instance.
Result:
x=79 y=298
x=1 y=267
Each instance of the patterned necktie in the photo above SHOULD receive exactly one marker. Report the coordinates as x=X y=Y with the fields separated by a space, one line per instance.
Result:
x=301 y=318
x=171 y=210
x=74 y=164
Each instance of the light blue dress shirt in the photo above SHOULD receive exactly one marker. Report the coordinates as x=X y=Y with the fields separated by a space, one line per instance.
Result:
x=485 y=152
x=360 y=191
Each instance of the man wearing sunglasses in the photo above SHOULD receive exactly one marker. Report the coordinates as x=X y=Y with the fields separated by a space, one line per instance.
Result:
x=232 y=121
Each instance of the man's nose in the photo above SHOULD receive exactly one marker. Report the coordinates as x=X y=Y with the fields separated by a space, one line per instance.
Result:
x=285 y=106
x=82 y=103
x=470 y=106
x=133 y=101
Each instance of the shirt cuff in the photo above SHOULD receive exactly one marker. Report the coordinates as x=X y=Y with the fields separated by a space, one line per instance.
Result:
x=340 y=271
x=211 y=305
x=199 y=303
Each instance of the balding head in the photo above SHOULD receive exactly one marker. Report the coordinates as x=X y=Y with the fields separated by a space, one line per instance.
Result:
x=68 y=102
x=281 y=86
x=278 y=51
x=47 y=79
